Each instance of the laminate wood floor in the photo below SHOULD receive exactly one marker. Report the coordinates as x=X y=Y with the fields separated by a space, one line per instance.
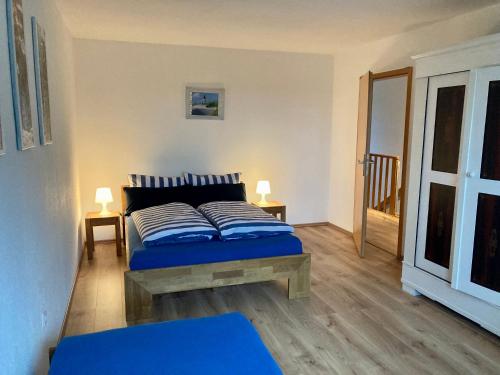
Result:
x=382 y=230
x=357 y=320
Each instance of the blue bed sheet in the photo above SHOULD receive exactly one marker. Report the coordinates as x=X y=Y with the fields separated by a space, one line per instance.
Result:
x=183 y=254
x=224 y=344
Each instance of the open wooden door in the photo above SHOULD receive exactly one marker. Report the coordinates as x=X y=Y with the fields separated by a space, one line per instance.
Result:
x=362 y=161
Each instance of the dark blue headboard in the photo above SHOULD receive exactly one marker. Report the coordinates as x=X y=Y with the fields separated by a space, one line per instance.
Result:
x=137 y=198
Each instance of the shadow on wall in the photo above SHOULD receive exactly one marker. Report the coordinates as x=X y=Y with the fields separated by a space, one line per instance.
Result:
x=402 y=46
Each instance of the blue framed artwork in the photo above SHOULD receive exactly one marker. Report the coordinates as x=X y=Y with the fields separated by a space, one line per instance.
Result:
x=2 y=147
x=41 y=83
x=206 y=104
x=19 y=75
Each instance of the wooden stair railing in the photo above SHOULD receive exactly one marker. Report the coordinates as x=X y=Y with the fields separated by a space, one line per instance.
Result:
x=383 y=183
x=387 y=200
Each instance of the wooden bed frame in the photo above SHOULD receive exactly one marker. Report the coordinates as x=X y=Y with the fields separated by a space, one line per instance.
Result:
x=142 y=286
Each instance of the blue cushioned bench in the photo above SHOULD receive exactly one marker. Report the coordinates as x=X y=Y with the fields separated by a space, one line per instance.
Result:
x=224 y=344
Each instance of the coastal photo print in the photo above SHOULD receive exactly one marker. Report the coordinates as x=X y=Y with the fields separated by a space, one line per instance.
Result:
x=19 y=75
x=41 y=83
x=2 y=149
x=204 y=103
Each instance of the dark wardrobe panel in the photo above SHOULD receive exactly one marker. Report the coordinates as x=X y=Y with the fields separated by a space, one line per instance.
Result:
x=447 y=128
x=490 y=164
x=440 y=224
x=486 y=254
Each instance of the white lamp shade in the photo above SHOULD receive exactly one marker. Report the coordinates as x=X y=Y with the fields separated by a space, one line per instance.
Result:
x=103 y=195
x=263 y=187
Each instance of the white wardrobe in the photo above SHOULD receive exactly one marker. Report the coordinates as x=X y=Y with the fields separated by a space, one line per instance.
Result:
x=452 y=221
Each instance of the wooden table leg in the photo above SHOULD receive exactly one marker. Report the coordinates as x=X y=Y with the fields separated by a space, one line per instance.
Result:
x=124 y=235
x=283 y=215
x=90 y=239
x=118 y=238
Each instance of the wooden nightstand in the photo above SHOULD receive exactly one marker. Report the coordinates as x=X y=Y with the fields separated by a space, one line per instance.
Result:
x=273 y=208
x=95 y=219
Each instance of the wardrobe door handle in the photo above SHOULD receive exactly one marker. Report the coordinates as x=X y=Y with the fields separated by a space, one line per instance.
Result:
x=470 y=174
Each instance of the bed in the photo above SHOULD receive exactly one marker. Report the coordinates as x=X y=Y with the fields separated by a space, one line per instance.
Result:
x=189 y=266
x=224 y=344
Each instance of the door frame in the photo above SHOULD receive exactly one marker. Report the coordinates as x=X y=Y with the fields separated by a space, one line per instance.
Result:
x=408 y=72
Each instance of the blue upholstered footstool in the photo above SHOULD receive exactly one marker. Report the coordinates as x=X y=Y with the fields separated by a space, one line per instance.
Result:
x=224 y=344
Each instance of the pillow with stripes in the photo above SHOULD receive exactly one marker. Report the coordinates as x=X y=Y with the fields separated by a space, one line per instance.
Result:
x=238 y=220
x=212 y=179
x=172 y=223
x=141 y=180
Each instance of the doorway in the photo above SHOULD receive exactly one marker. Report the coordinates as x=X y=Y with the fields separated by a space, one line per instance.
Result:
x=383 y=120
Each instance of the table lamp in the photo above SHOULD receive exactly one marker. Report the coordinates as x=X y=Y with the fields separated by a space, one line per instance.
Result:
x=103 y=196
x=263 y=188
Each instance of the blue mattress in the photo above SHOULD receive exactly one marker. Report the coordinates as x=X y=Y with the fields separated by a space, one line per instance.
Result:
x=224 y=344
x=183 y=254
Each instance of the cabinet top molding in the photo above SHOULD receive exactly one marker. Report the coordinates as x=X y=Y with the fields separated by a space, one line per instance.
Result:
x=474 y=43
x=476 y=53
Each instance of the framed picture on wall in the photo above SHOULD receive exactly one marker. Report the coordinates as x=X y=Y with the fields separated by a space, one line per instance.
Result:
x=19 y=75
x=2 y=147
x=41 y=83
x=206 y=104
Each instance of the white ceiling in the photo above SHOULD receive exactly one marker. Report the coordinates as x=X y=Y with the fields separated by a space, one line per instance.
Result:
x=281 y=25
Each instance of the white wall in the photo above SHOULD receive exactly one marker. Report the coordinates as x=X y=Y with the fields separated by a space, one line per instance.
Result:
x=388 y=119
x=386 y=54
x=39 y=206
x=131 y=118
x=388 y=116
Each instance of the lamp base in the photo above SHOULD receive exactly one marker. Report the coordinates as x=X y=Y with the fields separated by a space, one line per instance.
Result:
x=263 y=200
x=104 y=210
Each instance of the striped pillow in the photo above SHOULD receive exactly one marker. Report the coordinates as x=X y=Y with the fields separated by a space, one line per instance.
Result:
x=141 y=180
x=172 y=223
x=235 y=220
x=212 y=179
